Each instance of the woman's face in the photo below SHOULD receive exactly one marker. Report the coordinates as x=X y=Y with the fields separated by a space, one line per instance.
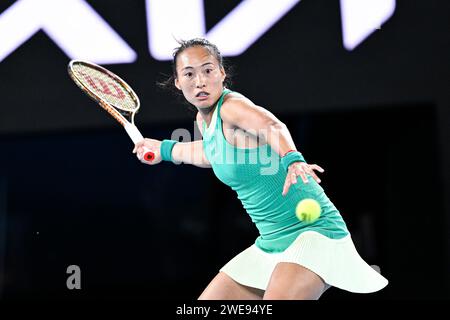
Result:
x=199 y=76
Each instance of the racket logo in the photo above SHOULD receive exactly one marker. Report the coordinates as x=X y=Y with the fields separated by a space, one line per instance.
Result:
x=103 y=86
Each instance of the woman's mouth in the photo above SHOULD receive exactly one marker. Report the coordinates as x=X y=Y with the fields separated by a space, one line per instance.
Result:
x=202 y=95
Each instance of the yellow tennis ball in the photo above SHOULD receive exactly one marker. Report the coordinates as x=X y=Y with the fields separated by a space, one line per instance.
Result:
x=308 y=210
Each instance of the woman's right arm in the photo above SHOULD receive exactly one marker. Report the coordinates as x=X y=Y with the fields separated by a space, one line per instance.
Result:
x=182 y=152
x=191 y=152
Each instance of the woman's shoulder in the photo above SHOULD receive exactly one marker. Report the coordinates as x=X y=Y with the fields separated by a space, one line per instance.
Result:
x=233 y=96
x=235 y=106
x=235 y=100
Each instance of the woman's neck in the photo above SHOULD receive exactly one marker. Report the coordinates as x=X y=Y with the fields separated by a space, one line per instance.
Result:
x=207 y=114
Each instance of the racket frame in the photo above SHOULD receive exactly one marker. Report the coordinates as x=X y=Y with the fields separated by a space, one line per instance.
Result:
x=110 y=108
x=116 y=112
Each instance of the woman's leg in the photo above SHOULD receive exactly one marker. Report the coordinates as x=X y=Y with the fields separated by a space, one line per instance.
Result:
x=290 y=281
x=222 y=287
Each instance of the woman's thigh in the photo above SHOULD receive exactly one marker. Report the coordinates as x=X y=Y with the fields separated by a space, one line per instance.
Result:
x=222 y=287
x=290 y=281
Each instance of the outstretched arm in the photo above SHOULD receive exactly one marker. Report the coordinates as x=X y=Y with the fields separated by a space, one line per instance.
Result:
x=190 y=153
x=182 y=152
x=244 y=114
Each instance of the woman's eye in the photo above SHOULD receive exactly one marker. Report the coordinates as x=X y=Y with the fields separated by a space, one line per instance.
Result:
x=208 y=70
x=189 y=74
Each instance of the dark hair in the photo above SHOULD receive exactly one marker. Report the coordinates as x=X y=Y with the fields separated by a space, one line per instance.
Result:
x=196 y=42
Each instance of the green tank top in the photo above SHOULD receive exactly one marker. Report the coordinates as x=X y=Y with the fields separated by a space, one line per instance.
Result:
x=256 y=175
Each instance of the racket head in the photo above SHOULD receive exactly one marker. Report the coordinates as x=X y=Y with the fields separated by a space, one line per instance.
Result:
x=105 y=87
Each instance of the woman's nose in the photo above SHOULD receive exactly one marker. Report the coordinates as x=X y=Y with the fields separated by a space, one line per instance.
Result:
x=200 y=81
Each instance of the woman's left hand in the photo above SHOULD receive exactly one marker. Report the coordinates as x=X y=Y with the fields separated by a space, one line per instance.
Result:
x=300 y=169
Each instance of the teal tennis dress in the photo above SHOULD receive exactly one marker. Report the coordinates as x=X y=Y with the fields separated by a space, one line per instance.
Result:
x=324 y=246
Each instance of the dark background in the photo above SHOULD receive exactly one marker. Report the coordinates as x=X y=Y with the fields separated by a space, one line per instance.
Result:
x=376 y=118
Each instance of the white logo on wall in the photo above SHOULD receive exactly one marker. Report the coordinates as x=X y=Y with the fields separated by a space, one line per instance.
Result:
x=72 y=24
x=360 y=18
x=83 y=34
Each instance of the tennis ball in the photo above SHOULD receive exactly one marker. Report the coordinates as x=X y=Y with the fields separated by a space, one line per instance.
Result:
x=308 y=210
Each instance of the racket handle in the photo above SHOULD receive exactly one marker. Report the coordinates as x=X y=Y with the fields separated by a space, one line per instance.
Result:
x=133 y=132
x=136 y=136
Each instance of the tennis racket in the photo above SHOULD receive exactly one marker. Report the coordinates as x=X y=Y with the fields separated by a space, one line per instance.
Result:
x=112 y=93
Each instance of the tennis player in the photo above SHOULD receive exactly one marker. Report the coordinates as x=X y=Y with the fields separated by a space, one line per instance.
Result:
x=252 y=151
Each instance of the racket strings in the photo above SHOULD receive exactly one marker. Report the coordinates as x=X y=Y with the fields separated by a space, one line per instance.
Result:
x=106 y=87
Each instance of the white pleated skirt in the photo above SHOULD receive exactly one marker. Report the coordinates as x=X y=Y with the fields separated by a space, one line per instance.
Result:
x=336 y=261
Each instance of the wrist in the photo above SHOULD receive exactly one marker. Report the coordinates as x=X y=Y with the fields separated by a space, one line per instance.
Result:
x=292 y=150
x=291 y=157
x=166 y=149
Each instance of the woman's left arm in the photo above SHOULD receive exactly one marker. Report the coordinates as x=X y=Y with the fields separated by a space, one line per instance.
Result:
x=244 y=114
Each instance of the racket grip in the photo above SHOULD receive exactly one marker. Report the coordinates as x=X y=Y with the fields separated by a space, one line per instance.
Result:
x=133 y=133
x=136 y=136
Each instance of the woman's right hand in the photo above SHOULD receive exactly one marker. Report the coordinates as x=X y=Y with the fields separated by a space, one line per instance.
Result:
x=153 y=146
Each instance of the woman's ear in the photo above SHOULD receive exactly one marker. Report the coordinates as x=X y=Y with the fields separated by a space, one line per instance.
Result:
x=177 y=83
x=224 y=75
